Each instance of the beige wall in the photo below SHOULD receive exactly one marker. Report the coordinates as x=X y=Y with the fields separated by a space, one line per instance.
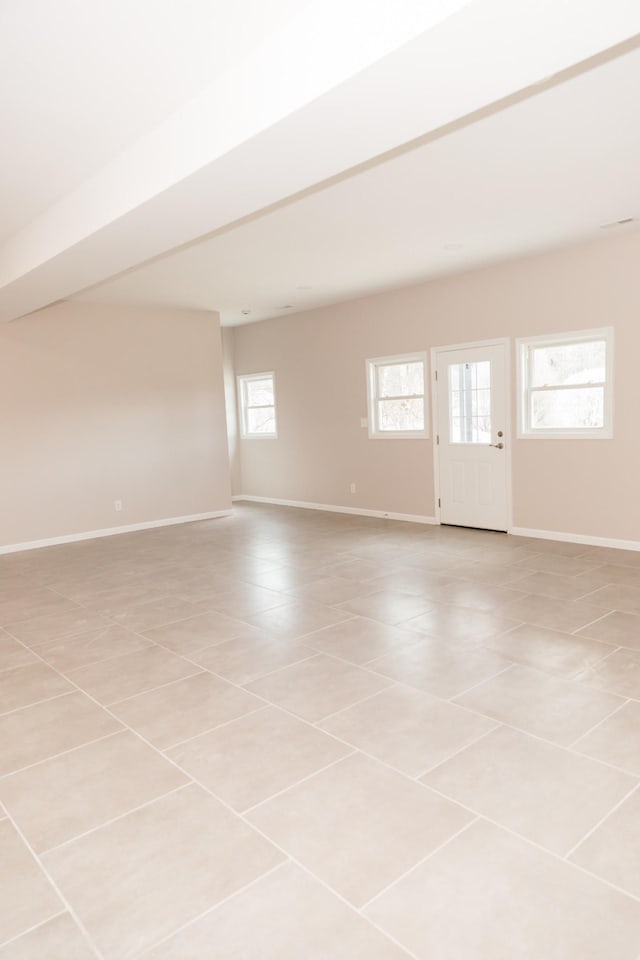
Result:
x=99 y=403
x=587 y=487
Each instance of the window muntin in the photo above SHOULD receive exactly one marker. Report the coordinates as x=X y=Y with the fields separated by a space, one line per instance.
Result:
x=566 y=385
x=470 y=402
x=257 y=405
x=397 y=401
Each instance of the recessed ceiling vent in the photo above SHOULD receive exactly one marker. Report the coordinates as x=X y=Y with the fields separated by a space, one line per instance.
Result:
x=616 y=223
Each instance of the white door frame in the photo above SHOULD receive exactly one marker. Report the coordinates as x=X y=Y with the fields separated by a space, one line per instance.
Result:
x=435 y=351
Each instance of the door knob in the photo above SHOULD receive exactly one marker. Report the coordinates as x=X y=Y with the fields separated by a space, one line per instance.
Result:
x=498 y=445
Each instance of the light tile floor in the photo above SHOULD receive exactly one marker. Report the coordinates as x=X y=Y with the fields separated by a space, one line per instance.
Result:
x=290 y=735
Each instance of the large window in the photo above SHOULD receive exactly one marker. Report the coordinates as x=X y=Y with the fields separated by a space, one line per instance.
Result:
x=397 y=406
x=257 y=405
x=566 y=387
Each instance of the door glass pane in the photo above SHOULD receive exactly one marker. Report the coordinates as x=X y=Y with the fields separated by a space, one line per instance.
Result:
x=579 y=408
x=567 y=363
x=401 y=414
x=261 y=420
x=400 y=379
x=259 y=392
x=470 y=402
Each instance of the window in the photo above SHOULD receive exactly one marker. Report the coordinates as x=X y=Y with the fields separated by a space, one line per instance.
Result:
x=566 y=385
x=396 y=396
x=257 y=405
x=470 y=402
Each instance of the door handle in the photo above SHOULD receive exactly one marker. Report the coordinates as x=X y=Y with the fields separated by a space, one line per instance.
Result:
x=498 y=445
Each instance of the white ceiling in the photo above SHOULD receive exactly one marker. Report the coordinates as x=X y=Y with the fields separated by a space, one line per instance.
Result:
x=80 y=80
x=241 y=150
x=544 y=172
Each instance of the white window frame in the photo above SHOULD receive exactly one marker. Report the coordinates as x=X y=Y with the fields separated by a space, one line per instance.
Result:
x=524 y=345
x=372 y=397
x=243 y=406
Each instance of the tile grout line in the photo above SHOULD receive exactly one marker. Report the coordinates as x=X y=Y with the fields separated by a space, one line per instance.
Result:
x=480 y=683
x=120 y=816
x=36 y=703
x=168 y=623
x=475 y=818
x=116 y=703
x=300 y=638
x=470 y=810
x=555 y=743
x=289 y=857
x=205 y=913
x=378 y=761
x=356 y=703
x=313 y=654
x=534 y=843
x=38 y=859
x=584 y=626
x=308 y=776
x=225 y=723
x=253 y=827
x=606 y=656
x=472 y=743
x=35 y=926
x=317 y=725
x=61 y=753
x=68 y=907
x=600 y=822
x=247 y=823
x=108 y=659
x=314 y=723
x=571 y=746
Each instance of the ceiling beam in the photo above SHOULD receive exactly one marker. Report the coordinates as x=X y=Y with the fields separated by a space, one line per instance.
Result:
x=311 y=104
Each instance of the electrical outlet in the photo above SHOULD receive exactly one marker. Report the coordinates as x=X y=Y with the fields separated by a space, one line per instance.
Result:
x=117 y=505
x=352 y=488
x=364 y=422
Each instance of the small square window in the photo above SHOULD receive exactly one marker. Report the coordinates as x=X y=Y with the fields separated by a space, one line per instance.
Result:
x=566 y=386
x=396 y=396
x=257 y=406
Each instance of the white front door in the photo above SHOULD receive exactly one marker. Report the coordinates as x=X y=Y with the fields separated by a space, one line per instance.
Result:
x=471 y=396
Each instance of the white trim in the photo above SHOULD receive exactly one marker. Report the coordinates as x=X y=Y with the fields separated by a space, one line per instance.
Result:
x=111 y=531
x=372 y=397
x=497 y=342
x=524 y=429
x=433 y=361
x=334 y=508
x=416 y=518
x=588 y=540
x=472 y=344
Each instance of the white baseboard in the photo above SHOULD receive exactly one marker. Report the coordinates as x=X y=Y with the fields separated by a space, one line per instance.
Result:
x=415 y=518
x=111 y=531
x=332 y=508
x=576 y=538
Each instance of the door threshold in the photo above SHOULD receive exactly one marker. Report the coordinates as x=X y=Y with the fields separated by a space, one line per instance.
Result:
x=464 y=526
